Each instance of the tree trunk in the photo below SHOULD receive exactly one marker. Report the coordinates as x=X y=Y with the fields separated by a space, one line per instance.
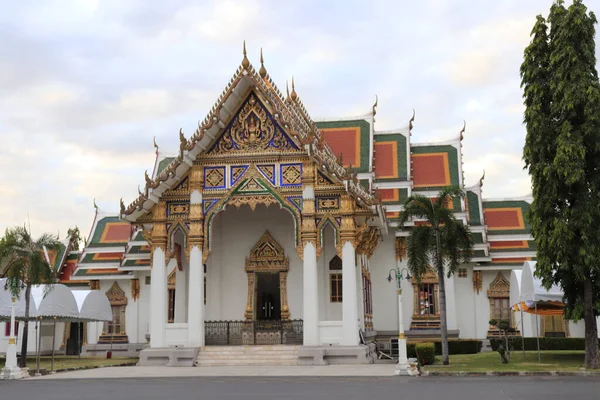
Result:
x=23 y=359
x=591 y=329
x=442 y=299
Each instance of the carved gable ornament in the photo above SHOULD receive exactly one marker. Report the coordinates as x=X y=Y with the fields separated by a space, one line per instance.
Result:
x=267 y=255
x=500 y=287
x=252 y=130
x=116 y=295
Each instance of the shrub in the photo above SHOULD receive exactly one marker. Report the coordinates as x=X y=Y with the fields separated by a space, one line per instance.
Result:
x=425 y=353
x=546 y=343
x=460 y=347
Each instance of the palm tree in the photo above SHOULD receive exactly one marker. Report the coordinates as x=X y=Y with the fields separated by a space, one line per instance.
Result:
x=25 y=265
x=442 y=239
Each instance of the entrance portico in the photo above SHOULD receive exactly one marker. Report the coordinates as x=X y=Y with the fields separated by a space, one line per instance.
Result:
x=256 y=154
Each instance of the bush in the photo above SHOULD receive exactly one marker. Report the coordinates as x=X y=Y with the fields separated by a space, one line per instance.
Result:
x=546 y=343
x=454 y=347
x=460 y=347
x=425 y=353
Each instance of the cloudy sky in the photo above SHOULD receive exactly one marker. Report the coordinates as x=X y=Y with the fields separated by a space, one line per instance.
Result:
x=85 y=85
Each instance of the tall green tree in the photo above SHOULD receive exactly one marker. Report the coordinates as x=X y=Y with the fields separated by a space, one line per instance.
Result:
x=562 y=154
x=26 y=265
x=442 y=242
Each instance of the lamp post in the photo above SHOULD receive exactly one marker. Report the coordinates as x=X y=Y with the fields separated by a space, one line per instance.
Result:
x=11 y=369
x=402 y=368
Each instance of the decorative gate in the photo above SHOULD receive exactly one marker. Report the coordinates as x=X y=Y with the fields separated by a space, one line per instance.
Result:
x=238 y=333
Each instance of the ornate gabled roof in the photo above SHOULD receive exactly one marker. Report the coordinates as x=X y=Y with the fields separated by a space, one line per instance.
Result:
x=289 y=112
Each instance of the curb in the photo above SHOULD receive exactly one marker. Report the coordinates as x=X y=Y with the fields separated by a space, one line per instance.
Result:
x=44 y=371
x=512 y=373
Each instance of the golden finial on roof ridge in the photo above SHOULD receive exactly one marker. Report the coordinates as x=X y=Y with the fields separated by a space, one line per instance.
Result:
x=482 y=178
x=95 y=205
x=375 y=105
x=462 y=131
x=262 y=71
x=245 y=61
x=155 y=145
x=287 y=91
x=293 y=96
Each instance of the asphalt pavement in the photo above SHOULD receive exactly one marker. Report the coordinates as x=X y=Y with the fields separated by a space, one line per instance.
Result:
x=313 y=388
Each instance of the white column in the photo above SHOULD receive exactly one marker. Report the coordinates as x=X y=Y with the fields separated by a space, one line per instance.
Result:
x=11 y=370
x=349 y=298
x=158 y=299
x=310 y=296
x=360 y=298
x=196 y=299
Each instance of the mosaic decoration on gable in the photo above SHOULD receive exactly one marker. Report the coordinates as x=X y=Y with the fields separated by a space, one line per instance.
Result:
x=214 y=177
x=236 y=172
x=268 y=171
x=291 y=174
x=328 y=203
x=252 y=129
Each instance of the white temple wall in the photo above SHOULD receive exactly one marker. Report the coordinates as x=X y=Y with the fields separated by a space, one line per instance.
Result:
x=385 y=298
x=143 y=309
x=234 y=232
x=466 y=305
x=46 y=344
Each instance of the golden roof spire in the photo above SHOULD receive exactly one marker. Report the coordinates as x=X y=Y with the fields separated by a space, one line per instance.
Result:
x=462 y=133
x=293 y=96
x=262 y=71
x=245 y=61
x=287 y=91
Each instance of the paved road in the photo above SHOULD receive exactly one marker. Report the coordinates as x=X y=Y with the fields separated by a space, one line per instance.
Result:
x=313 y=388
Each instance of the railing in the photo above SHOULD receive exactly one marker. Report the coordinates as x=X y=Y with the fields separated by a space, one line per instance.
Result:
x=238 y=333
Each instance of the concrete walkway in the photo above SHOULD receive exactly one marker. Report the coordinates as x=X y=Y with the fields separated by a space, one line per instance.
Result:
x=164 y=372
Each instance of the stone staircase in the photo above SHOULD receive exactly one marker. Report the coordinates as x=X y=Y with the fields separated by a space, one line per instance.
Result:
x=247 y=355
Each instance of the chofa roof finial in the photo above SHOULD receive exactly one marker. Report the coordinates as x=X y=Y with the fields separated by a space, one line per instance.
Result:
x=293 y=96
x=375 y=105
x=262 y=71
x=462 y=131
x=245 y=61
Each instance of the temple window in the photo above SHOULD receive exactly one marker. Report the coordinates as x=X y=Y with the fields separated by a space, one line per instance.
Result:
x=116 y=327
x=427 y=302
x=426 y=313
x=462 y=273
x=498 y=294
x=335 y=280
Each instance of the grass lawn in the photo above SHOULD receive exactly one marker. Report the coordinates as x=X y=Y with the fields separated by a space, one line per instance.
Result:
x=62 y=362
x=484 y=362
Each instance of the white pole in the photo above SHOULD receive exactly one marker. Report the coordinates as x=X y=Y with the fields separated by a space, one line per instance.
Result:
x=522 y=333
x=537 y=328
x=402 y=366
x=11 y=369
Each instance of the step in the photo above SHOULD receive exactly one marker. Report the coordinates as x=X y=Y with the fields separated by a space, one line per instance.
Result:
x=246 y=363
x=248 y=355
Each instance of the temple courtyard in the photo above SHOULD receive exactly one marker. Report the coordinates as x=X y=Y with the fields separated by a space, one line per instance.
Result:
x=316 y=388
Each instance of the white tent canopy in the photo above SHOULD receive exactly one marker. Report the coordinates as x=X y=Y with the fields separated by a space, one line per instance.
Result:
x=515 y=287
x=57 y=301
x=93 y=305
x=532 y=289
x=6 y=304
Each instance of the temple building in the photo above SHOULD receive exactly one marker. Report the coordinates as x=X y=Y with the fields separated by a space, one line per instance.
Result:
x=270 y=228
